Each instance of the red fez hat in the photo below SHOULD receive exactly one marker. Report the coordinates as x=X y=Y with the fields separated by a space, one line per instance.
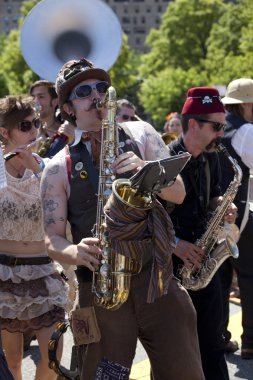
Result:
x=202 y=100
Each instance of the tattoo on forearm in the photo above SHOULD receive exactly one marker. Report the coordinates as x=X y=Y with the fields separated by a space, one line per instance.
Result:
x=50 y=205
x=54 y=170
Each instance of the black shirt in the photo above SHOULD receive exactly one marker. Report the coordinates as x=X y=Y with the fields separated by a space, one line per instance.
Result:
x=201 y=178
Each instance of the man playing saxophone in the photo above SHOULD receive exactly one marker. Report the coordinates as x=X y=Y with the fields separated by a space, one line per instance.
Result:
x=203 y=122
x=167 y=326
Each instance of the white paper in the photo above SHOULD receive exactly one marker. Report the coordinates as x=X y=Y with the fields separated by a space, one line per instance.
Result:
x=3 y=179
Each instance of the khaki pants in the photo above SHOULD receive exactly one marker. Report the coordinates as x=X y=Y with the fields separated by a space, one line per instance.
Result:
x=166 y=329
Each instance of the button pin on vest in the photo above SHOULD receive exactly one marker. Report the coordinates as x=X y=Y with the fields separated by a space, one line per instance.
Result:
x=83 y=174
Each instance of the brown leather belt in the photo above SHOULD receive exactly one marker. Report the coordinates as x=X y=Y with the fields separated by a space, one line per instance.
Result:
x=12 y=261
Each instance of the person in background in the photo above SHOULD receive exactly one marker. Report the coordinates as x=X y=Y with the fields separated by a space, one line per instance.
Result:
x=55 y=133
x=203 y=120
x=238 y=139
x=125 y=111
x=32 y=291
x=158 y=310
x=173 y=124
x=172 y=128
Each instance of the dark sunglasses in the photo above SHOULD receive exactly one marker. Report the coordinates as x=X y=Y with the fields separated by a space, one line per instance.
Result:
x=217 y=127
x=85 y=90
x=26 y=125
x=127 y=117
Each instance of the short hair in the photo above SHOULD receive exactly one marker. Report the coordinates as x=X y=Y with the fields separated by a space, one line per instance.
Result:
x=125 y=103
x=14 y=109
x=185 y=119
x=50 y=86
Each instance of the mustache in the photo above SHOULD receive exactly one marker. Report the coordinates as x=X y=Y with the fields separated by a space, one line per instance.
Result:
x=213 y=144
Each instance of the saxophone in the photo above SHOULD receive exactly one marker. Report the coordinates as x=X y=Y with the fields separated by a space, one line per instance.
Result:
x=197 y=278
x=111 y=282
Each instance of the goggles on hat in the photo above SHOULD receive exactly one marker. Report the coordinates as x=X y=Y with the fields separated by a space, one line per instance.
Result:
x=26 y=125
x=127 y=117
x=85 y=90
x=217 y=126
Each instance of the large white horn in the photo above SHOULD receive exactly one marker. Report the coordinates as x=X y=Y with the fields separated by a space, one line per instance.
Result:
x=56 y=31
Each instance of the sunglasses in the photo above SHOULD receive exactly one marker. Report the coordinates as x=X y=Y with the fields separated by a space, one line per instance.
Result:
x=85 y=90
x=26 y=125
x=217 y=126
x=127 y=117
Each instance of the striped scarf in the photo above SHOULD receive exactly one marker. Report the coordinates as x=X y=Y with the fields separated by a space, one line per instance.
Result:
x=134 y=231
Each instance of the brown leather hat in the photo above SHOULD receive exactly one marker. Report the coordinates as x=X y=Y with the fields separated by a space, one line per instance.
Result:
x=72 y=73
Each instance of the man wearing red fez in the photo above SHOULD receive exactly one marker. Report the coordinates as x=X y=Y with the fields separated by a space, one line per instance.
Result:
x=203 y=119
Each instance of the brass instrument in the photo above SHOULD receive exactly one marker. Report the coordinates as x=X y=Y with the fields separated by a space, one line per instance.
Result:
x=168 y=137
x=195 y=278
x=111 y=282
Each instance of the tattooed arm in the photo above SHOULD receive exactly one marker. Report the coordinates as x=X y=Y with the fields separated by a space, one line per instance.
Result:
x=54 y=202
x=153 y=148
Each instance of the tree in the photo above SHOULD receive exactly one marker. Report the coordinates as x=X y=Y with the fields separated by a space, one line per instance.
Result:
x=124 y=73
x=181 y=39
x=230 y=49
x=178 y=50
x=17 y=75
x=165 y=92
x=199 y=42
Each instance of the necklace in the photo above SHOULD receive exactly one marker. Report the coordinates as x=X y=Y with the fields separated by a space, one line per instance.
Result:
x=18 y=173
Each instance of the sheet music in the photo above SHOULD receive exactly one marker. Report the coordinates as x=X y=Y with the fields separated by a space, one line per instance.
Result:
x=3 y=179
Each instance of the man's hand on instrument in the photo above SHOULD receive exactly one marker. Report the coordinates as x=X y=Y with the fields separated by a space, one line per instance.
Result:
x=68 y=130
x=87 y=253
x=126 y=162
x=231 y=214
x=189 y=253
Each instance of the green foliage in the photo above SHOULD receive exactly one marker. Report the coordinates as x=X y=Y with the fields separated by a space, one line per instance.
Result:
x=225 y=59
x=199 y=42
x=122 y=73
x=14 y=72
x=166 y=92
x=181 y=39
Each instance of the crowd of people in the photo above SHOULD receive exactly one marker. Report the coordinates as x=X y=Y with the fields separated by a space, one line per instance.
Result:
x=184 y=332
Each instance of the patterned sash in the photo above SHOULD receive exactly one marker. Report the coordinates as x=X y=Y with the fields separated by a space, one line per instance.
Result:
x=134 y=231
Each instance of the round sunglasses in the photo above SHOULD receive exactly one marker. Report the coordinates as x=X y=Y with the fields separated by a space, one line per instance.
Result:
x=26 y=125
x=85 y=90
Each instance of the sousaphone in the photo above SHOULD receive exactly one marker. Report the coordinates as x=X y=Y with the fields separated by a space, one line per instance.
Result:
x=56 y=31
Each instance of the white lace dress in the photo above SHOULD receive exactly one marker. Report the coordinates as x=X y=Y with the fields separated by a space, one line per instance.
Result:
x=31 y=295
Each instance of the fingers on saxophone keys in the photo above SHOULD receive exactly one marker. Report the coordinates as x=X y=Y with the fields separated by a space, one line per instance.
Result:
x=88 y=253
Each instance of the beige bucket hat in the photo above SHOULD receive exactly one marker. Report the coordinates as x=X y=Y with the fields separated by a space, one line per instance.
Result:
x=239 y=91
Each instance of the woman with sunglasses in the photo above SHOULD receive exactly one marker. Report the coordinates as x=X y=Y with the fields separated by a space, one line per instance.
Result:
x=32 y=291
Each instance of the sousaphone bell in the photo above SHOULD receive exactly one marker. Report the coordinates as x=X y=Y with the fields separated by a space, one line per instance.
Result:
x=56 y=31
